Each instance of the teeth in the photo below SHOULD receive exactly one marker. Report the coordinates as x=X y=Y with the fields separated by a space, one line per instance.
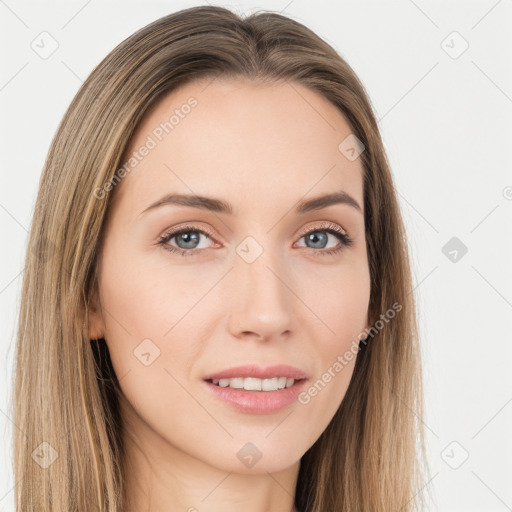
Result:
x=253 y=384
x=281 y=382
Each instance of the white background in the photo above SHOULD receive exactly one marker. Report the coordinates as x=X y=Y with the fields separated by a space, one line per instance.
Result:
x=447 y=127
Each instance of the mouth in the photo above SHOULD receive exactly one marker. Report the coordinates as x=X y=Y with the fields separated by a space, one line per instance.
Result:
x=255 y=384
x=254 y=389
x=251 y=395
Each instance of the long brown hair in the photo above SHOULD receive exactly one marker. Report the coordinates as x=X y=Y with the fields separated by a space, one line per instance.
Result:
x=371 y=457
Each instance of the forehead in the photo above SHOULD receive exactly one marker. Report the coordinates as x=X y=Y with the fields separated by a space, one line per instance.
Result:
x=250 y=143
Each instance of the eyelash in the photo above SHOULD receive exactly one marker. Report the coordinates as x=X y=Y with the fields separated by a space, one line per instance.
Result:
x=333 y=229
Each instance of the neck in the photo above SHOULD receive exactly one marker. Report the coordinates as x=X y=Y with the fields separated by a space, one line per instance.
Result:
x=158 y=475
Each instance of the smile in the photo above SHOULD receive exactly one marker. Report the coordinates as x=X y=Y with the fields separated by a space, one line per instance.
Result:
x=255 y=384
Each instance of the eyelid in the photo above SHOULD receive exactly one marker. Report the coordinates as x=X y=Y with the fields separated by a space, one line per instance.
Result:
x=304 y=231
x=321 y=226
x=187 y=227
x=327 y=226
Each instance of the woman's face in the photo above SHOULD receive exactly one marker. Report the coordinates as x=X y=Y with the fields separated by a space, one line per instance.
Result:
x=260 y=282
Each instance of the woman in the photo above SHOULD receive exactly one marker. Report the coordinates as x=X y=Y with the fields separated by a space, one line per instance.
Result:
x=217 y=309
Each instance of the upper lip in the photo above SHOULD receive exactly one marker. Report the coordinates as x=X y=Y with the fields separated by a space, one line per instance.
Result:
x=253 y=370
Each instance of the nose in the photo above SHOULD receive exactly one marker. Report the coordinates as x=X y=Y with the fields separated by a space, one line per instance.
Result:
x=261 y=302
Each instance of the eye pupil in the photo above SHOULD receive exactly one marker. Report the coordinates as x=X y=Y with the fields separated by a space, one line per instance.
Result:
x=314 y=238
x=189 y=237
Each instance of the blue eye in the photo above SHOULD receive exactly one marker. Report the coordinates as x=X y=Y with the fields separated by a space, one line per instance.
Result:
x=180 y=235
x=189 y=237
x=340 y=234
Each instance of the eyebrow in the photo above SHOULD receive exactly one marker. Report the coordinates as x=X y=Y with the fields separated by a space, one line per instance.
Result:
x=220 y=206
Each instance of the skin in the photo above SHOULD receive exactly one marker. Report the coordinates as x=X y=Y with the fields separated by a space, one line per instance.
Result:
x=262 y=148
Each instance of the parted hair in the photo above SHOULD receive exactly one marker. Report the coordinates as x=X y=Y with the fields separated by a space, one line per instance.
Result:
x=371 y=456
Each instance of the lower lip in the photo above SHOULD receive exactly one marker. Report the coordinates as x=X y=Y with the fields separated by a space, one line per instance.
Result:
x=258 y=402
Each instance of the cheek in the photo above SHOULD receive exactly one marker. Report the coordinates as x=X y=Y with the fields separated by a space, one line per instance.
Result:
x=147 y=332
x=150 y=311
x=339 y=296
x=342 y=306
x=345 y=313
x=132 y=306
x=141 y=295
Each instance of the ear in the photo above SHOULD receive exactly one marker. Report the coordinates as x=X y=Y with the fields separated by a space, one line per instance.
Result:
x=96 y=321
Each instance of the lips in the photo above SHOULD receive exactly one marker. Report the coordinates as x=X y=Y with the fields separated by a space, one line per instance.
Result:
x=253 y=370
x=251 y=401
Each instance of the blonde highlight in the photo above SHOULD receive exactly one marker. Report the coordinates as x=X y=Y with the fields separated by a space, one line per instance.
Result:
x=65 y=393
